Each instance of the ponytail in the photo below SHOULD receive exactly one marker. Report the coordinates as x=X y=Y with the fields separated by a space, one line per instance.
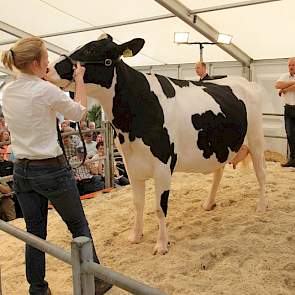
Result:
x=7 y=59
x=23 y=53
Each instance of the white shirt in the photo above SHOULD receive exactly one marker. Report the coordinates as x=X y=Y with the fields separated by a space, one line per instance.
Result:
x=90 y=147
x=30 y=105
x=289 y=97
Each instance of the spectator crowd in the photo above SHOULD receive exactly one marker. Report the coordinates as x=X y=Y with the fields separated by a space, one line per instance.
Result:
x=89 y=175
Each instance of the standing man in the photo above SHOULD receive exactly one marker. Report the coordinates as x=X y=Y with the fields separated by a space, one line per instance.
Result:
x=286 y=86
x=201 y=70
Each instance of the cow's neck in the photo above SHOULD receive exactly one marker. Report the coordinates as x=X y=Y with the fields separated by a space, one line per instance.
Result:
x=128 y=79
x=129 y=88
x=123 y=85
x=104 y=95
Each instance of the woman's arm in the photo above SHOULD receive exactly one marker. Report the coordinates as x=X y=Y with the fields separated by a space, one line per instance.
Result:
x=80 y=93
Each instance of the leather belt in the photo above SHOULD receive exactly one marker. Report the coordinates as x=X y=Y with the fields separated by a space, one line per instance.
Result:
x=58 y=160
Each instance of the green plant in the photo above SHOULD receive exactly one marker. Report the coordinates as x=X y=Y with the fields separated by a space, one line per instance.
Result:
x=94 y=115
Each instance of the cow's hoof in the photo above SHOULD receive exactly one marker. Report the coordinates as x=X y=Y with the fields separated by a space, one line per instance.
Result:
x=135 y=239
x=262 y=206
x=208 y=206
x=160 y=249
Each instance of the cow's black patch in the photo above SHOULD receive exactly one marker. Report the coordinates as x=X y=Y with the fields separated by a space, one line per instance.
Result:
x=167 y=87
x=65 y=69
x=224 y=131
x=121 y=138
x=164 y=202
x=137 y=110
x=173 y=158
x=198 y=83
x=180 y=83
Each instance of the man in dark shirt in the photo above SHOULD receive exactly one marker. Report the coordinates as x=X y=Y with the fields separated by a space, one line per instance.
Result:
x=201 y=71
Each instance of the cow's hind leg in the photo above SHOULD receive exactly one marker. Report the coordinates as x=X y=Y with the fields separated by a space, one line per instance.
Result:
x=162 y=188
x=210 y=203
x=257 y=155
x=256 y=146
x=138 y=190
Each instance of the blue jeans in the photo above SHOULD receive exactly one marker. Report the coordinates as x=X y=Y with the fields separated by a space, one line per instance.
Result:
x=290 y=130
x=34 y=186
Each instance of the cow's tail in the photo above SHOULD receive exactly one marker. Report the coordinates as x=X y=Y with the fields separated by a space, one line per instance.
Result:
x=254 y=140
x=255 y=134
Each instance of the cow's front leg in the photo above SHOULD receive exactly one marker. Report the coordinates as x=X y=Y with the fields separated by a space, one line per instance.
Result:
x=210 y=203
x=162 y=188
x=138 y=190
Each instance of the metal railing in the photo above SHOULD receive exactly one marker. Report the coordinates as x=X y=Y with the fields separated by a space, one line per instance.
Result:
x=274 y=136
x=277 y=136
x=83 y=267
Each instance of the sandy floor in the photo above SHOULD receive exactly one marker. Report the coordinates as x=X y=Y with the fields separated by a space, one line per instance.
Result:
x=231 y=250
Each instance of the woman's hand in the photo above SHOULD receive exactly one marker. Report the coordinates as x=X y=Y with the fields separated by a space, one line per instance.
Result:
x=79 y=72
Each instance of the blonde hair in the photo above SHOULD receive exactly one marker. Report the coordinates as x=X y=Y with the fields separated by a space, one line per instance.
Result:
x=23 y=53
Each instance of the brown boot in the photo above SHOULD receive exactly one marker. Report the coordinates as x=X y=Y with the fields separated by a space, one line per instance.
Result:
x=101 y=287
x=48 y=291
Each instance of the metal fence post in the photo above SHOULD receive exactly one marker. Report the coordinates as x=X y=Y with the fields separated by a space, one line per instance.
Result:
x=82 y=250
x=109 y=155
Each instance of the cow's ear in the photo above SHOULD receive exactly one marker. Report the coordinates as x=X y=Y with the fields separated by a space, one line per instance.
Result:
x=131 y=48
x=105 y=36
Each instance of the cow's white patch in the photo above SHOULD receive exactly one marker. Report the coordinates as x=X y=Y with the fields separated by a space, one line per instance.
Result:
x=102 y=36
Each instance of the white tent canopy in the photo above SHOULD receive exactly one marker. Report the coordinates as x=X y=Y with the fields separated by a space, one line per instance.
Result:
x=256 y=29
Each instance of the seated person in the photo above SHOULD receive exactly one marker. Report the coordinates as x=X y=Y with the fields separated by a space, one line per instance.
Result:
x=119 y=163
x=6 y=167
x=69 y=146
x=2 y=122
x=5 y=137
x=89 y=143
x=91 y=126
x=99 y=137
x=86 y=174
x=7 y=208
x=119 y=180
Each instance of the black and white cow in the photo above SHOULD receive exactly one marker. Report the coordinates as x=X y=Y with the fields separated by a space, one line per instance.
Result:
x=166 y=125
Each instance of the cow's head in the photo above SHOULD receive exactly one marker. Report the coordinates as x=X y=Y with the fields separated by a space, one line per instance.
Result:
x=98 y=57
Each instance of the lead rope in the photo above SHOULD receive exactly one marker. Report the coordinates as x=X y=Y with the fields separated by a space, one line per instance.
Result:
x=72 y=94
x=61 y=144
x=63 y=147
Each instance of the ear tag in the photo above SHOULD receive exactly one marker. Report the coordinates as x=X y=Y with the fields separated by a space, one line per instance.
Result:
x=127 y=52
